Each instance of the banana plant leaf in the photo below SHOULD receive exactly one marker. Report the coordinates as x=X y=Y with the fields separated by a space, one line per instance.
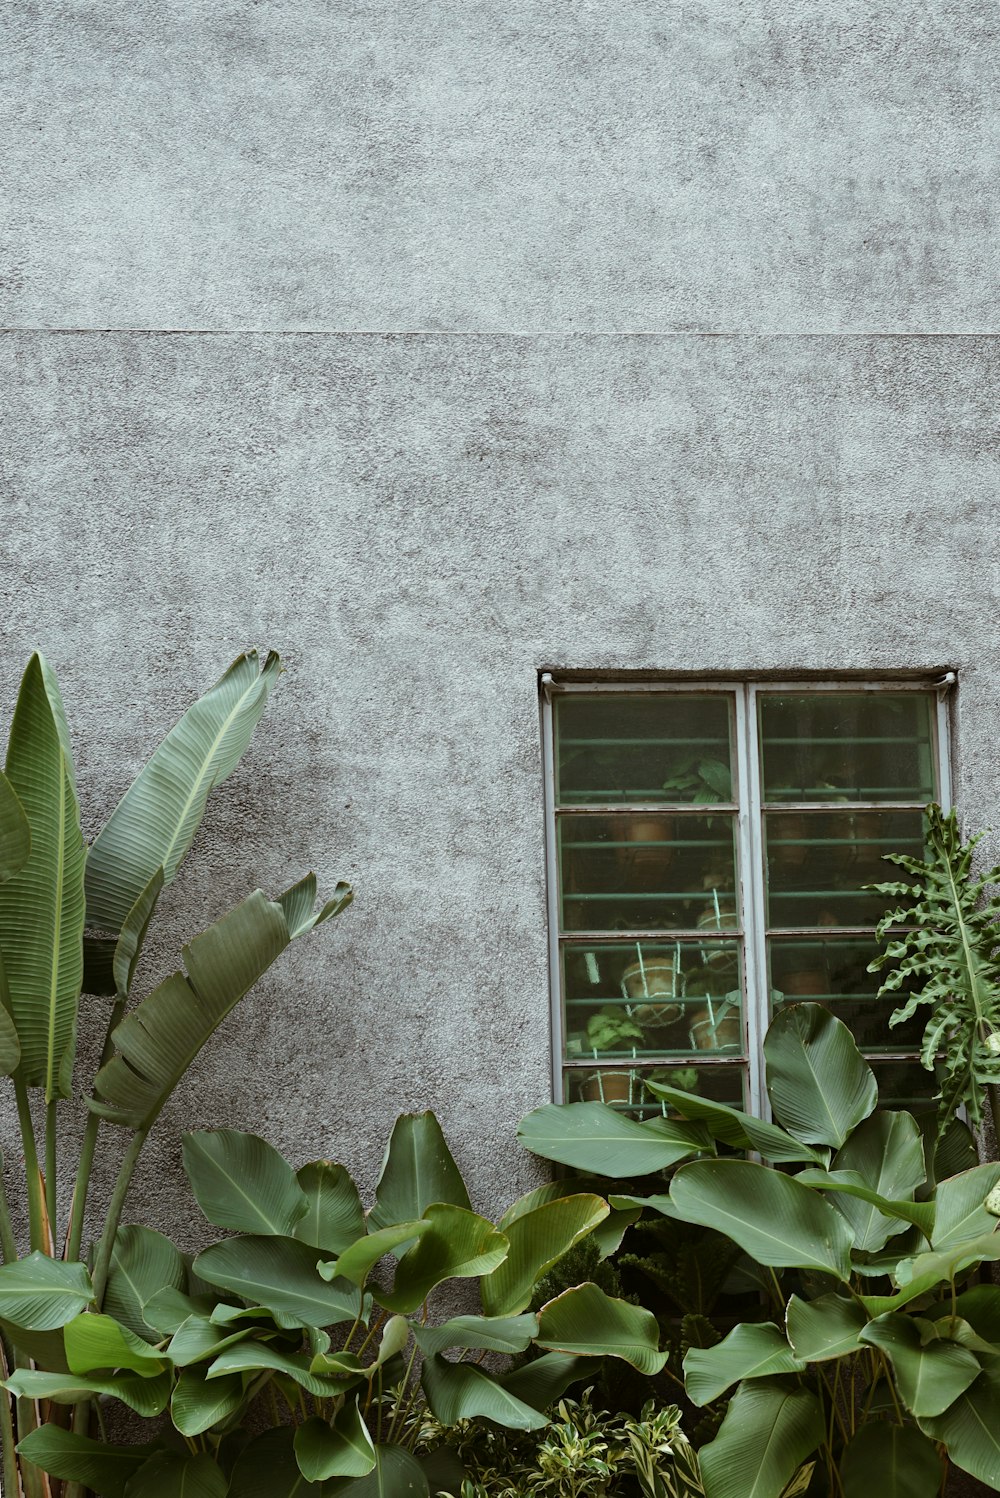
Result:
x=266 y=1468
x=76 y=1458
x=147 y=1396
x=741 y=1130
x=178 y=1474
x=887 y=1153
x=418 y=1171
x=242 y=1183
x=536 y=1240
x=543 y=1380
x=198 y=1339
x=42 y=904
x=970 y=1427
x=95 y=1342
x=334 y=1217
x=157 y=1042
x=143 y=1263
x=458 y=1245
x=281 y=1275
x=749 y=1351
x=850 y=1183
x=593 y=1137
x=197 y=1402
x=154 y=824
x=461 y=1391
x=828 y=1327
x=930 y=1377
x=770 y=1427
x=258 y=1357
x=961 y=1213
x=492 y=1333
x=589 y=1323
x=819 y=1084
x=42 y=1294
x=397 y=1474
x=343 y=1449
x=357 y=1261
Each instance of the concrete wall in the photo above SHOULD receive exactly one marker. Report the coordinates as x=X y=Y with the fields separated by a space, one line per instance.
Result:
x=447 y=404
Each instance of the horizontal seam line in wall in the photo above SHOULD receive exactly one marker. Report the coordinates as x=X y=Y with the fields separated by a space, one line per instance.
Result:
x=489 y=333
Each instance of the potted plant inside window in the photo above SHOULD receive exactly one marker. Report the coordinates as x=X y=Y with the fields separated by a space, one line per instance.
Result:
x=610 y=1030
x=703 y=781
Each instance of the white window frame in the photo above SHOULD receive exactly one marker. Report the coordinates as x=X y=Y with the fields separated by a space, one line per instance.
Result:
x=749 y=808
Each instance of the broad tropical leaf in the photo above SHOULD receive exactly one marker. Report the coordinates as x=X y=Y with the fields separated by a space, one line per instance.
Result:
x=147 y=1396
x=281 y=1274
x=241 y=1182
x=178 y=1474
x=343 y=1449
x=42 y=904
x=255 y=1357
x=154 y=824
x=458 y=1245
x=397 y=1474
x=157 y=1042
x=198 y=1402
x=930 y=1377
x=771 y=1426
x=492 y=1333
x=199 y=1339
x=10 y=1046
x=593 y=1137
x=461 y=1391
x=887 y=1152
x=96 y=1342
x=42 y=1294
x=128 y=947
x=961 y=1213
x=749 y=1351
x=357 y=1261
x=537 y=1240
x=267 y=1469
x=334 y=1218
x=970 y=1427
x=76 y=1458
x=15 y=834
x=828 y=1327
x=770 y=1215
x=741 y=1130
x=845 y=1184
x=819 y=1084
x=902 y=1462
x=418 y=1171
x=543 y=1380
x=589 y=1323
x=143 y=1264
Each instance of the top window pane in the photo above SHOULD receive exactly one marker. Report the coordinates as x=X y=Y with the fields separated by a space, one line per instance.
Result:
x=850 y=746
x=660 y=747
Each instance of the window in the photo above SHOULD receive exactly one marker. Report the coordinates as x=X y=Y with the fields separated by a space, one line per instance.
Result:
x=708 y=847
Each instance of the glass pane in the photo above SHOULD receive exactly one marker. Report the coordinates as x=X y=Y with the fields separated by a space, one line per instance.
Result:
x=644 y=999
x=905 y=1084
x=818 y=862
x=637 y=871
x=833 y=971
x=852 y=746
x=643 y=747
x=623 y=1088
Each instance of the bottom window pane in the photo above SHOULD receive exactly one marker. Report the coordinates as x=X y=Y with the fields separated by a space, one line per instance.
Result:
x=835 y=973
x=624 y=1088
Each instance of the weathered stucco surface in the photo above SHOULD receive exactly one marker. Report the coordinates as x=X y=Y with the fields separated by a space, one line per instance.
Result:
x=419 y=521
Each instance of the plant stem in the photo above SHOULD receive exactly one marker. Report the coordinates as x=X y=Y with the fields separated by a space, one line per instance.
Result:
x=88 y=1147
x=105 y=1247
x=8 y=1438
x=36 y=1203
x=8 y=1247
x=51 y=1167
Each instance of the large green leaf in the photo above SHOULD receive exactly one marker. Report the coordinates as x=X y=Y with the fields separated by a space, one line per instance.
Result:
x=147 y=1396
x=334 y=1218
x=143 y=1263
x=589 y=1323
x=42 y=1294
x=492 y=1333
x=95 y=1342
x=461 y=1391
x=397 y=1474
x=458 y=1245
x=894 y=1460
x=543 y=1380
x=741 y=1130
x=929 y=1377
x=887 y=1152
x=343 y=1449
x=770 y=1428
x=970 y=1428
x=961 y=1212
x=418 y=1171
x=593 y=1137
x=76 y=1458
x=167 y=1310
x=828 y=1327
x=128 y=947
x=157 y=1042
x=772 y=1217
x=357 y=1261
x=15 y=834
x=267 y=1469
x=538 y=1239
x=241 y=1182
x=198 y=1338
x=281 y=1274
x=946 y=1263
x=847 y=1184
x=154 y=824
x=198 y=1402
x=819 y=1084
x=10 y=1046
x=751 y=1350
x=257 y=1357
x=178 y=1474
x=42 y=904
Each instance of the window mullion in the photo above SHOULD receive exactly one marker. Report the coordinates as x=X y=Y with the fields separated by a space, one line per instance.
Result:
x=552 y=893
x=751 y=845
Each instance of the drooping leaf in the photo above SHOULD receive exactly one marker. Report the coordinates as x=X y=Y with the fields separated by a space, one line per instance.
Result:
x=154 y=824
x=42 y=903
x=418 y=1172
x=178 y=1474
x=845 y=1184
x=750 y=1350
x=198 y=1403
x=588 y=1323
x=143 y=1263
x=76 y=1458
x=819 y=1084
x=906 y=1463
x=537 y=1240
x=157 y=1042
x=828 y=1327
x=461 y=1391
x=970 y=1427
x=593 y=1137
x=42 y=1294
x=771 y=1216
x=241 y=1182
x=96 y=1342
x=492 y=1333
x=334 y=1218
x=281 y=1274
x=458 y=1245
x=930 y=1377
x=946 y=1263
x=357 y=1261
x=770 y=1427
x=147 y=1396
x=741 y=1130
x=128 y=947
x=267 y=1468
x=255 y=1357
x=543 y=1380
x=343 y=1449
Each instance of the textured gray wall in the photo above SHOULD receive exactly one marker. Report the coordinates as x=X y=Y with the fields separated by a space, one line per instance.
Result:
x=421 y=520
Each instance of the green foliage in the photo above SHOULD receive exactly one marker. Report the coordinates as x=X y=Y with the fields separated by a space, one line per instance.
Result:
x=948 y=963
